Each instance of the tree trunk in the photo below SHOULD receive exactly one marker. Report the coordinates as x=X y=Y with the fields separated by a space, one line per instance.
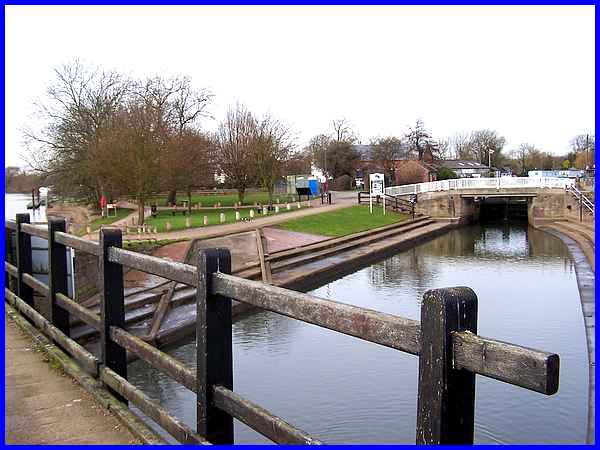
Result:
x=141 y=205
x=270 y=191
x=241 y=192
x=189 y=205
x=172 y=197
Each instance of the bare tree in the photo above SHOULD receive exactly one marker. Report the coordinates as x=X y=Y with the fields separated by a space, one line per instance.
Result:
x=79 y=105
x=486 y=146
x=342 y=131
x=584 y=145
x=385 y=152
x=235 y=149
x=272 y=146
x=418 y=139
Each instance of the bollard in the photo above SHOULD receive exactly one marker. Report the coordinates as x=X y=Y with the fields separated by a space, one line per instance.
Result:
x=276 y=209
x=277 y=200
x=188 y=222
x=222 y=217
x=251 y=213
x=237 y=215
x=168 y=225
x=265 y=210
x=199 y=205
x=299 y=205
x=205 y=220
x=88 y=229
x=155 y=230
x=288 y=206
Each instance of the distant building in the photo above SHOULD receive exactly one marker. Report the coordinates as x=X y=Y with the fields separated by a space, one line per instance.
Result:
x=464 y=168
x=568 y=173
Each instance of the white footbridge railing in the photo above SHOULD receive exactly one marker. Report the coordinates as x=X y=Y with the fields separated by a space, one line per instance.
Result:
x=481 y=183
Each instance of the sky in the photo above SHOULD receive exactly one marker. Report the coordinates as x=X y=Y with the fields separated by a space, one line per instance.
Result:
x=526 y=72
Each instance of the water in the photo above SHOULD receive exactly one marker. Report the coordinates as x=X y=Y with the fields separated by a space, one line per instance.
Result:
x=343 y=390
x=17 y=203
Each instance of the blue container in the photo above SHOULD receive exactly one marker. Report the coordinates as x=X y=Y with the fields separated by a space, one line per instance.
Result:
x=314 y=187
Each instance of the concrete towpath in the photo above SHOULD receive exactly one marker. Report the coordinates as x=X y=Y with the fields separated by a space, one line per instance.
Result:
x=339 y=199
x=43 y=406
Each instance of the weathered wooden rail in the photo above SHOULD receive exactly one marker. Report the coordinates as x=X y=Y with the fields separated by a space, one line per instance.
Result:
x=445 y=340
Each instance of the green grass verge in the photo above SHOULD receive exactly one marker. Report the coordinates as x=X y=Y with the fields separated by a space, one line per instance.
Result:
x=226 y=200
x=121 y=214
x=343 y=221
x=197 y=217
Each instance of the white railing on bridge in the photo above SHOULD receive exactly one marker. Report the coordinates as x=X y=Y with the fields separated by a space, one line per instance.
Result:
x=480 y=183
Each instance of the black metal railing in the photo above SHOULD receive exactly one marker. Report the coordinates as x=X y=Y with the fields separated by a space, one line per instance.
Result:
x=445 y=340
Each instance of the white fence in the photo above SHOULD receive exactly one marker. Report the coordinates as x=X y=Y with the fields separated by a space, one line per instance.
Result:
x=481 y=183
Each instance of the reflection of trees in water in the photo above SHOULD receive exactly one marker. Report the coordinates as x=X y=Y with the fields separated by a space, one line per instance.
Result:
x=265 y=328
x=497 y=241
x=411 y=266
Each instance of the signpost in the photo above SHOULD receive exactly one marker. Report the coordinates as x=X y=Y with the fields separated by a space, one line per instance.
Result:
x=376 y=187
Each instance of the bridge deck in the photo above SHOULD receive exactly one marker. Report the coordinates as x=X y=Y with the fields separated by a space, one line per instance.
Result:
x=42 y=406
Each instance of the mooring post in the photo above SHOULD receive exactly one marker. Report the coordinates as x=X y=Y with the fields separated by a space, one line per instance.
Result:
x=24 y=260
x=113 y=305
x=57 y=267
x=446 y=396
x=214 y=362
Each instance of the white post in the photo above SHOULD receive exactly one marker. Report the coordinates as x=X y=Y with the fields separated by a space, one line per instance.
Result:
x=237 y=216
x=277 y=208
x=205 y=220
x=222 y=217
x=383 y=194
x=251 y=213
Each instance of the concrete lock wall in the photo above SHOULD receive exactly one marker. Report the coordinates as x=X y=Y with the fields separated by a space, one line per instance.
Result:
x=542 y=204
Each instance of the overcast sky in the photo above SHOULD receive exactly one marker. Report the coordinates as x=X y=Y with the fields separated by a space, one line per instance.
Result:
x=527 y=72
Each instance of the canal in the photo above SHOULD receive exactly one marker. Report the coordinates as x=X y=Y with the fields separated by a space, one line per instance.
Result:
x=343 y=390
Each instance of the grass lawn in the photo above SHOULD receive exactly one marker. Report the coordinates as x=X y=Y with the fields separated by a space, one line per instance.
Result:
x=343 y=221
x=227 y=200
x=121 y=213
x=197 y=217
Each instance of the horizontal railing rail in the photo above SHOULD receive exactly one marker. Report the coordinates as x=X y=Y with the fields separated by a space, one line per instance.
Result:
x=453 y=355
x=480 y=183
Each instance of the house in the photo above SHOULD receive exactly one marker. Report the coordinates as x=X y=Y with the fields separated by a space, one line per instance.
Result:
x=464 y=168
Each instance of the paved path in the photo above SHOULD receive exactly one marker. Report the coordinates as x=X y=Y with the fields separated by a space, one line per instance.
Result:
x=340 y=200
x=43 y=406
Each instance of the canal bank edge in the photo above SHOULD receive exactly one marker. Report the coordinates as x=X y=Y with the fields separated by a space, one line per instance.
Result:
x=586 y=282
x=94 y=387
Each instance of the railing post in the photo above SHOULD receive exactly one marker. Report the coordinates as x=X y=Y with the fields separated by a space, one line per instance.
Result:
x=112 y=304
x=57 y=268
x=446 y=397
x=214 y=362
x=8 y=256
x=24 y=260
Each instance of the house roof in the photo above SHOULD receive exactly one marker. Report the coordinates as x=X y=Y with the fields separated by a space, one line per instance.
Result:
x=457 y=164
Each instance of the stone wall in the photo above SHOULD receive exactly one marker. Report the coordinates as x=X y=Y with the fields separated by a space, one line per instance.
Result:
x=547 y=205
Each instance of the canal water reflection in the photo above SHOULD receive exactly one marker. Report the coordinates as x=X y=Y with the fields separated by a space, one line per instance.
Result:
x=344 y=390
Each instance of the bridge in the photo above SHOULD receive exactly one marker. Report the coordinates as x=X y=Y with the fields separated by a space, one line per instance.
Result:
x=540 y=199
x=448 y=364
